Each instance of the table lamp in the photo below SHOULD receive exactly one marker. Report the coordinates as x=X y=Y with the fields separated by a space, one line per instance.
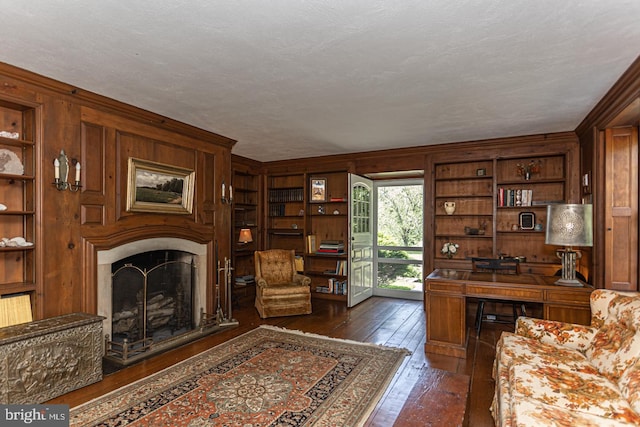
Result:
x=245 y=236
x=569 y=225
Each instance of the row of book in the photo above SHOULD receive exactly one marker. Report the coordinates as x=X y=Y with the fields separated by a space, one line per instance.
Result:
x=282 y=195
x=508 y=197
x=334 y=286
x=341 y=268
x=277 y=210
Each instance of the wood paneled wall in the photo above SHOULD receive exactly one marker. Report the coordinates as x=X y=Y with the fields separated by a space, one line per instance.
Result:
x=102 y=134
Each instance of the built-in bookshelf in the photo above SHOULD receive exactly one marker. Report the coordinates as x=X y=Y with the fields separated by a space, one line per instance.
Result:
x=327 y=244
x=18 y=196
x=286 y=212
x=497 y=208
x=245 y=203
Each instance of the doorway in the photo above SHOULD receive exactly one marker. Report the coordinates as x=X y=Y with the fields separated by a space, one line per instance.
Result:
x=398 y=247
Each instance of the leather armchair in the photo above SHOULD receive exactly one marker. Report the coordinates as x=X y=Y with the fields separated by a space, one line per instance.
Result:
x=280 y=290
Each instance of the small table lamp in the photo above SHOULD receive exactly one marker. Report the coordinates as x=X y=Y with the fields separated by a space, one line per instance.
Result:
x=569 y=225
x=245 y=236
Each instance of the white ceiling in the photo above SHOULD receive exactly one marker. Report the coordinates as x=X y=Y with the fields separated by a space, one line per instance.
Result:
x=302 y=78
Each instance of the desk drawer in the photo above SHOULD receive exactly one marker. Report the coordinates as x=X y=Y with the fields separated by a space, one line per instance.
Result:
x=496 y=292
x=568 y=296
x=448 y=287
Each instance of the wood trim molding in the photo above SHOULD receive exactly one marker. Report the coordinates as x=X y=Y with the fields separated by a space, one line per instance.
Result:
x=621 y=94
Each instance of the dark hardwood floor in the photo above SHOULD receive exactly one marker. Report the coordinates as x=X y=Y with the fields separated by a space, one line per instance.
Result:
x=385 y=321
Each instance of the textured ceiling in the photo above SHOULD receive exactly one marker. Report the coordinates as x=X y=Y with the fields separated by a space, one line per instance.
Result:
x=302 y=78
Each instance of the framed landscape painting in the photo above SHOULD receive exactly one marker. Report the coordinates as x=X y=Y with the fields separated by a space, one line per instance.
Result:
x=155 y=187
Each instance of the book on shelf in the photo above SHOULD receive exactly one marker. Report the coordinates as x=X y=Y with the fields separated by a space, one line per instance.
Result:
x=339 y=270
x=311 y=244
x=512 y=197
x=248 y=279
x=331 y=247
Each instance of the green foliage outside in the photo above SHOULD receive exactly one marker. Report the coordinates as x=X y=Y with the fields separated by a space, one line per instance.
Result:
x=399 y=224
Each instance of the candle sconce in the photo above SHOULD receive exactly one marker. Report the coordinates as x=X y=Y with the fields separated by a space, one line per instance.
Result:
x=223 y=197
x=61 y=173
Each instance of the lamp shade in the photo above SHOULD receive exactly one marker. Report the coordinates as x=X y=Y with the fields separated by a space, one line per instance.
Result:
x=569 y=225
x=245 y=236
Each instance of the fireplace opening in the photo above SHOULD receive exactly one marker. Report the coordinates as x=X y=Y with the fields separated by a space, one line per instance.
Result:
x=152 y=297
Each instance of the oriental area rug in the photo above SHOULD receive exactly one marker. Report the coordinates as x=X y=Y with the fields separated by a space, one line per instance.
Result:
x=266 y=377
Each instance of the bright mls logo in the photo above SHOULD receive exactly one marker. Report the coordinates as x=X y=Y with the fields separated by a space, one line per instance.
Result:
x=34 y=415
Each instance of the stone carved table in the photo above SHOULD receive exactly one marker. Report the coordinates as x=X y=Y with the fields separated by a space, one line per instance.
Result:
x=44 y=359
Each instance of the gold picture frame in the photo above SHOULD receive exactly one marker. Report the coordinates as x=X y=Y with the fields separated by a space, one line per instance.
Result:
x=159 y=188
x=318 y=192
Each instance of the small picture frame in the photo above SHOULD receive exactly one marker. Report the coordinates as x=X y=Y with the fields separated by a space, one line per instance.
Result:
x=318 y=190
x=481 y=172
x=527 y=220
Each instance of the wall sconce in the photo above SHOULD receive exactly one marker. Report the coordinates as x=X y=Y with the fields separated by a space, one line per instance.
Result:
x=245 y=236
x=223 y=197
x=569 y=225
x=61 y=173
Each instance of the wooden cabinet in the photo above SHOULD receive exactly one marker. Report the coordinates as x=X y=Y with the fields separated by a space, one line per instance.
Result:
x=286 y=212
x=18 y=194
x=621 y=209
x=497 y=208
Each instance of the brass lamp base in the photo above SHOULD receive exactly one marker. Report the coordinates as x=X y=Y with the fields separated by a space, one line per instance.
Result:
x=569 y=282
x=569 y=257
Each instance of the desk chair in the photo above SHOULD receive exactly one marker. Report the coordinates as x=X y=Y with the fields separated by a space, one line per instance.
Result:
x=501 y=266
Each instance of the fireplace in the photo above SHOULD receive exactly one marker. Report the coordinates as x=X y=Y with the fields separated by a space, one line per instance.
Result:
x=142 y=276
x=151 y=296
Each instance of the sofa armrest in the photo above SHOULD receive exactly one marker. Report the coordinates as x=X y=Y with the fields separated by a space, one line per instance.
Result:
x=260 y=282
x=570 y=335
x=301 y=279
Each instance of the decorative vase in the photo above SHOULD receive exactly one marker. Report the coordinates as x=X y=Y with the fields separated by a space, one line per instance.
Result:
x=449 y=207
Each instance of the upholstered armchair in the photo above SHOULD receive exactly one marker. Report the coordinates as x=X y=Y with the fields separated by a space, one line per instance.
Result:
x=280 y=290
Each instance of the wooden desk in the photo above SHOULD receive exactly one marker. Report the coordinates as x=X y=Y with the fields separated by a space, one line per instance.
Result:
x=446 y=293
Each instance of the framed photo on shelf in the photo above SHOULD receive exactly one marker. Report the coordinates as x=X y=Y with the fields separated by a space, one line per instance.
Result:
x=156 y=187
x=318 y=190
x=527 y=220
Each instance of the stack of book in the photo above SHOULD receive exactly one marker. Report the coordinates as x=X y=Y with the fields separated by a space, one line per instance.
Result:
x=334 y=286
x=331 y=247
x=242 y=281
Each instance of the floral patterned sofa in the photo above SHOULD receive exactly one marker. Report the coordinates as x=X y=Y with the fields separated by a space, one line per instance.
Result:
x=551 y=373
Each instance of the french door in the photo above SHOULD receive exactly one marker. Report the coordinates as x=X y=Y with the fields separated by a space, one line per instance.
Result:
x=361 y=236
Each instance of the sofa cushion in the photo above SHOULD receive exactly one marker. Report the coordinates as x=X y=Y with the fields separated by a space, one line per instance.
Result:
x=585 y=391
x=568 y=335
x=616 y=344
x=629 y=385
x=512 y=348
x=533 y=413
